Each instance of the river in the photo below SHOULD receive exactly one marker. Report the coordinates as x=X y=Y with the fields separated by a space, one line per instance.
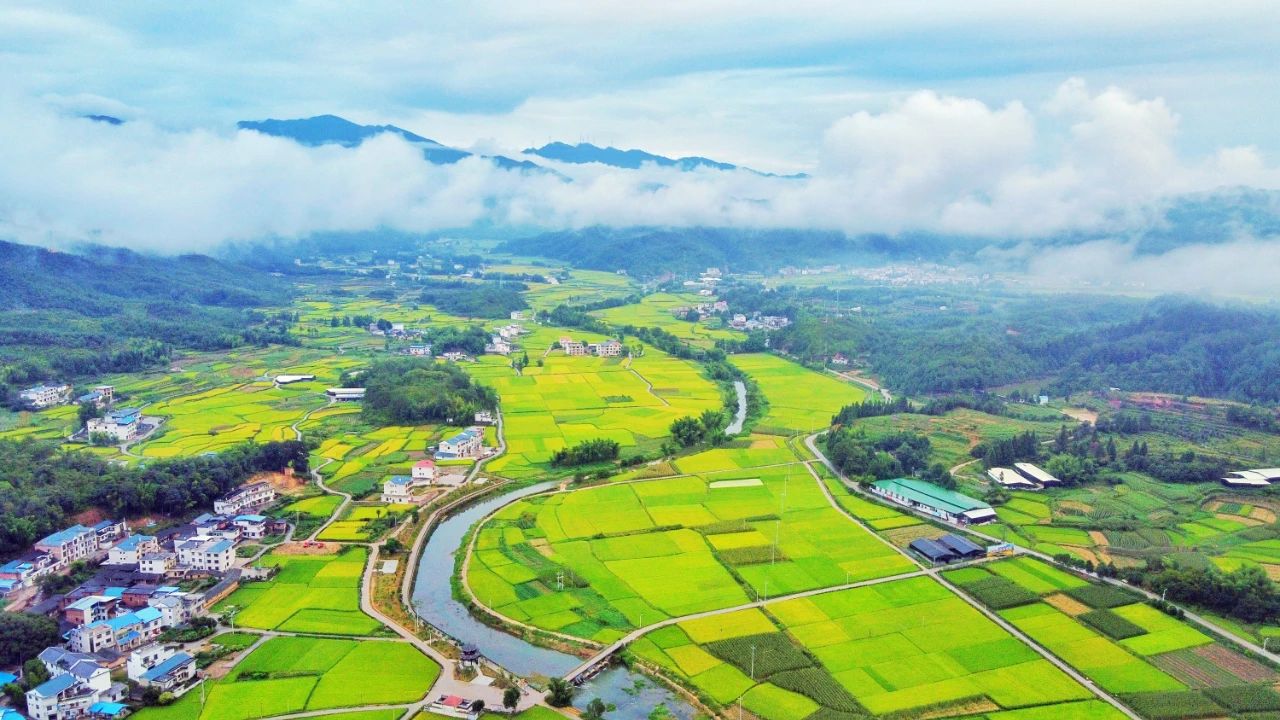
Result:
x=634 y=695
x=740 y=416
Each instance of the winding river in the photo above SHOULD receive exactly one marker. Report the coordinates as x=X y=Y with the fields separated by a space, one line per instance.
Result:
x=740 y=416
x=634 y=696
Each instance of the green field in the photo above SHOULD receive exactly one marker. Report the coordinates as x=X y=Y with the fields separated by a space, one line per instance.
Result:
x=636 y=553
x=800 y=400
x=573 y=399
x=886 y=648
x=354 y=525
x=310 y=593
x=296 y=674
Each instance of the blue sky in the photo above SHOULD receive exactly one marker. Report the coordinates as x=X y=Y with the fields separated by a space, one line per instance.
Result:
x=1005 y=119
x=750 y=82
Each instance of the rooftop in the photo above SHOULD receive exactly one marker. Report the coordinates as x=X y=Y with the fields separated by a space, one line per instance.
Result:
x=64 y=536
x=55 y=685
x=926 y=493
x=168 y=666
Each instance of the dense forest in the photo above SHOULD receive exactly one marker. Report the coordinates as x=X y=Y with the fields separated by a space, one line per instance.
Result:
x=933 y=340
x=412 y=391
x=41 y=487
x=475 y=299
x=65 y=316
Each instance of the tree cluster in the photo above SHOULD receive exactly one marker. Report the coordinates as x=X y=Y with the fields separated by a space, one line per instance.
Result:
x=413 y=391
x=587 y=452
x=41 y=486
x=895 y=455
x=474 y=299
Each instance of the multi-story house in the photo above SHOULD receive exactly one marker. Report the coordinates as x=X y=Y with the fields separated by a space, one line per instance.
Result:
x=210 y=555
x=245 y=497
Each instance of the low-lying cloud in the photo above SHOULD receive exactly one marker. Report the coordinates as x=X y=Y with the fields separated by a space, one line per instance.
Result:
x=1082 y=160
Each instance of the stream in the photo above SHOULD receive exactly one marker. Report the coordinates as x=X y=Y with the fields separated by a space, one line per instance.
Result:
x=634 y=695
x=740 y=416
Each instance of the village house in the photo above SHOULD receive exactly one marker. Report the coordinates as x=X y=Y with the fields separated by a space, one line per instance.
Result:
x=39 y=397
x=157 y=563
x=498 y=346
x=118 y=634
x=608 y=348
x=90 y=609
x=251 y=527
x=397 y=489
x=418 y=350
x=839 y=359
x=65 y=697
x=466 y=444
x=572 y=347
x=160 y=667
x=484 y=417
x=129 y=550
x=245 y=497
x=211 y=555
x=100 y=396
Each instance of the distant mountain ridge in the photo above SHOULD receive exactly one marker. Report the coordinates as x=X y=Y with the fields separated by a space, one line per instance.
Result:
x=334 y=130
x=584 y=153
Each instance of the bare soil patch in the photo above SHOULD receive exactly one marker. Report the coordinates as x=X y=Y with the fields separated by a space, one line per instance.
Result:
x=305 y=547
x=1081 y=414
x=285 y=482
x=1251 y=522
x=1068 y=605
x=1233 y=662
x=1264 y=515
x=89 y=516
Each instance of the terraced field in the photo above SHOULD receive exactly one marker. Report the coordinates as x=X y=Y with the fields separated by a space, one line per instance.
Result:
x=635 y=553
x=655 y=311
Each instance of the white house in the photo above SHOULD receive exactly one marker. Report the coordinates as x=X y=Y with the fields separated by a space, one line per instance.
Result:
x=424 y=470
x=158 y=666
x=157 y=563
x=572 y=347
x=1036 y=475
x=608 y=348
x=252 y=527
x=209 y=555
x=244 y=497
x=119 y=634
x=64 y=697
x=484 y=417
x=1011 y=479
x=120 y=425
x=420 y=350
x=131 y=549
x=498 y=346
x=345 y=394
x=466 y=444
x=43 y=396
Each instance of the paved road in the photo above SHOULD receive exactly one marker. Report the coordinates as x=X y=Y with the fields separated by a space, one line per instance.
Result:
x=337 y=513
x=811 y=443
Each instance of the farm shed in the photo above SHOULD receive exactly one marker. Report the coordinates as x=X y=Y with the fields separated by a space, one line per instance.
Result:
x=935 y=500
x=961 y=546
x=932 y=551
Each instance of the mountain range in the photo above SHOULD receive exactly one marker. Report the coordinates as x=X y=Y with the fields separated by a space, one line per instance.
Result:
x=583 y=153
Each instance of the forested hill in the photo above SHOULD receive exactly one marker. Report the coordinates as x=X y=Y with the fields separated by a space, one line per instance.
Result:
x=648 y=252
x=67 y=315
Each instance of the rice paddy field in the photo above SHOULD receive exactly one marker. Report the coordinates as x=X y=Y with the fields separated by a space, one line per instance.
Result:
x=800 y=400
x=582 y=287
x=355 y=457
x=1128 y=648
x=572 y=399
x=655 y=311
x=905 y=647
x=310 y=594
x=354 y=525
x=633 y=553
x=299 y=674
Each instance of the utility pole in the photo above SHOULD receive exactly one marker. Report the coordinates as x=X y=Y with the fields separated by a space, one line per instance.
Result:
x=753 y=661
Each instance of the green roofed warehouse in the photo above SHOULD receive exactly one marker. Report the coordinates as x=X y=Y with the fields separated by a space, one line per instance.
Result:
x=937 y=501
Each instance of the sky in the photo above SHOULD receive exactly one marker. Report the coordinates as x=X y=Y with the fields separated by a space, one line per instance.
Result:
x=999 y=118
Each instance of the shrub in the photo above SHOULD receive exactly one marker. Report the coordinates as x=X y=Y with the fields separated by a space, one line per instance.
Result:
x=751 y=555
x=1246 y=698
x=1101 y=596
x=819 y=686
x=773 y=653
x=1111 y=624
x=1173 y=705
x=999 y=593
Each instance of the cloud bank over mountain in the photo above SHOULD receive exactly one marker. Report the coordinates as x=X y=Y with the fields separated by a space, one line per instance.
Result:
x=1095 y=160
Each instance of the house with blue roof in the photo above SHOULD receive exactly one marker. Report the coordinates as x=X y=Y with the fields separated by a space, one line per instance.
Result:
x=120 y=425
x=253 y=527
x=119 y=634
x=68 y=696
x=130 y=550
x=207 y=554
x=466 y=444
x=11 y=714
x=6 y=678
x=157 y=666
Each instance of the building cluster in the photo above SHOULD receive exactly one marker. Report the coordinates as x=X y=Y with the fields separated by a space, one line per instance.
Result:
x=42 y=396
x=120 y=425
x=56 y=552
x=756 y=321
x=706 y=282
x=937 y=501
x=1024 y=476
x=404 y=489
x=606 y=348
x=703 y=310
x=100 y=396
x=1260 y=477
x=396 y=330
x=114 y=623
x=502 y=342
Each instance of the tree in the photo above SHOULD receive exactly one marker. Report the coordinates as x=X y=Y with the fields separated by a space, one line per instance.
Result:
x=712 y=422
x=559 y=693
x=687 y=431
x=392 y=546
x=510 y=698
x=34 y=672
x=595 y=710
x=23 y=636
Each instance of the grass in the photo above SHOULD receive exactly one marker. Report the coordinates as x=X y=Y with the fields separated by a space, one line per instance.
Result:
x=1111 y=624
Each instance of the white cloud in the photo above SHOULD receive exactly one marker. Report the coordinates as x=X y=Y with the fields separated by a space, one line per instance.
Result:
x=1091 y=160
